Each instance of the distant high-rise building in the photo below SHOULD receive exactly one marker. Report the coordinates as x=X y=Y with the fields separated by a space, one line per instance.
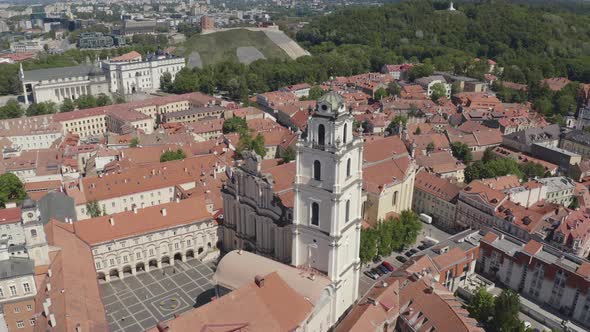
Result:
x=207 y=23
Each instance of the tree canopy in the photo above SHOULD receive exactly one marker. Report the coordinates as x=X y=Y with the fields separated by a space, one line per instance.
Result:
x=11 y=189
x=172 y=155
x=235 y=125
x=461 y=151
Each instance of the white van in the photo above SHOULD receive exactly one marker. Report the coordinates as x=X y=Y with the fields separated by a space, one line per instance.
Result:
x=426 y=218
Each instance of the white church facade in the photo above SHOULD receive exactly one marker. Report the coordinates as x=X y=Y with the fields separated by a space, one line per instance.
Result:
x=325 y=232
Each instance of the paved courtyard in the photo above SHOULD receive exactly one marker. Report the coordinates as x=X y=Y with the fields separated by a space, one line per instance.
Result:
x=138 y=302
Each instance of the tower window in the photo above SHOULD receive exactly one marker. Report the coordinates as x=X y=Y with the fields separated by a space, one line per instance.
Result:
x=347 y=212
x=33 y=233
x=395 y=197
x=317 y=170
x=348 y=165
x=321 y=134
x=345 y=136
x=315 y=214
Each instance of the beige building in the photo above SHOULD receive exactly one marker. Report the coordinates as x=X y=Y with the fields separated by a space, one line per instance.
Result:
x=436 y=197
x=30 y=133
x=389 y=187
x=124 y=243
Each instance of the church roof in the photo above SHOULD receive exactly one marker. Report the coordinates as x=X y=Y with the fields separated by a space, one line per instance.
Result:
x=55 y=73
x=333 y=99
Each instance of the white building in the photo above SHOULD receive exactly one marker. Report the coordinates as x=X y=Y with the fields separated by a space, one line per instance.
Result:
x=327 y=211
x=130 y=73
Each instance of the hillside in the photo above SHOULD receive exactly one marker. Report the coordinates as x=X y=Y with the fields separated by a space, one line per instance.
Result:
x=226 y=45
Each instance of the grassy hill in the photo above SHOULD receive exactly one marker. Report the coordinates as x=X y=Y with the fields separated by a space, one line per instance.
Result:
x=222 y=45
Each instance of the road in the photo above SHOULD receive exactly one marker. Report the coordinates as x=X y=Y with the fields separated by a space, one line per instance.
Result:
x=427 y=231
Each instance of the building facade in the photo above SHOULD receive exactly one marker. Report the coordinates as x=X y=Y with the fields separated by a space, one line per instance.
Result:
x=436 y=197
x=327 y=211
x=256 y=219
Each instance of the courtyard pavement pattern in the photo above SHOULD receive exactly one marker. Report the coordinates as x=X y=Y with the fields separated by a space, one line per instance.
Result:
x=139 y=302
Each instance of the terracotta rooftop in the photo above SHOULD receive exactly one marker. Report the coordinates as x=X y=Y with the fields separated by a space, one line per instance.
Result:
x=440 y=162
x=128 y=224
x=269 y=305
x=436 y=186
x=133 y=55
x=10 y=215
x=379 y=176
x=75 y=297
x=377 y=149
x=502 y=182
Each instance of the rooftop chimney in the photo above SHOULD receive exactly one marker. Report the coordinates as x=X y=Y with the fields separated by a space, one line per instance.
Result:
x=164 y=212
x=259 y=280
x=112 y=221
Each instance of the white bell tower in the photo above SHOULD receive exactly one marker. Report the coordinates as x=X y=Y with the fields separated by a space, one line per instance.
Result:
x=328 y=189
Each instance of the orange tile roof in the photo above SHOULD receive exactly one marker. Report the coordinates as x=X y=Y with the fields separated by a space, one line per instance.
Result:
x=75 y=297
x=148 y=177
x=378 y=149
x=381 y=175
x=127 y=57
x=274 y=306
x=11 y=215
x=129 y=223
x=436 y=186
x=440 y=162
x=502 y=182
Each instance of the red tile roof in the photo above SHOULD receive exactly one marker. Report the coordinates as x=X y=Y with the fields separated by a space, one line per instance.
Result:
x=11 y=215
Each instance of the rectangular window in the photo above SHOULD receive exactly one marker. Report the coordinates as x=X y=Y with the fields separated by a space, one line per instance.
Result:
x=32 y=321
x=138 y=255
x=29 y=307
x=20 y=324
x=16 y=310
x=13 y=290
x=112 y=262
x=26 y=287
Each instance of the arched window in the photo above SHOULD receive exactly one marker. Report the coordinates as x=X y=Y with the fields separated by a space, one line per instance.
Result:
x=347 y=212
x=345 y=136
x=321 y=135
x=348 y=162
x=315 y=214
x=317 y=170
x=33 y=233
x=395 y=198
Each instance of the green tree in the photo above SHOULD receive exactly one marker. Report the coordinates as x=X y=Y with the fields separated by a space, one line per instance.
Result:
x=258 y=145
x=394 y=89
x=481 y=307
x=461 y=151
x=48 y=107
x=506 y=309
x=456 y=88
x=418 y=131
x=315 y=92
x=235 y=125
x=11 y=189
x=103 y=100
x=134 y=142
x=172 y=155
x=430 y=147
x=11 y=110
x=289 y=154
x=93 y=209
x=368 y=245
x=166 y=82
x=67 y=105
x=438 y=91
x=419 y=71
x=380 y=94
x=86 y=101
x=411 y=225
x=532 y=170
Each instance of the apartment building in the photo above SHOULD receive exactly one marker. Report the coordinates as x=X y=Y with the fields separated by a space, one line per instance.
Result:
x=124 y=243
x=539 y=272
x=30 y=133
x=436 y=197
x=146 y=185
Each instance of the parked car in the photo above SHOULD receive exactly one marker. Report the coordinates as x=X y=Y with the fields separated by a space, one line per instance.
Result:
x=414 y=251
x=388 y=266
x=378 y=271
x=371 y=274
x=422 y=246
x=408 y=253
x=383 y=269
x=401 y=258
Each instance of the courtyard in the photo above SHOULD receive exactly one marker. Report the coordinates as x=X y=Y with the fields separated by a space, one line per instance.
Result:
x=140 y=301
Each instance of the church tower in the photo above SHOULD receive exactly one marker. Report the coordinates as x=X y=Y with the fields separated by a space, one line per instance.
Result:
x=327 y=211
x=35 y=240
